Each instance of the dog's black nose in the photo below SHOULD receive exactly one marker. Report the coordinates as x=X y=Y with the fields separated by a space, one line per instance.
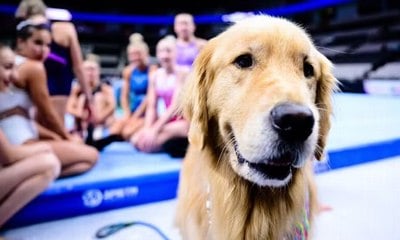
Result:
x=293 y=122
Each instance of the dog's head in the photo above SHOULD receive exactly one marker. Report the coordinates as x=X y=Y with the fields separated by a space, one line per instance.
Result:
x=266 y=91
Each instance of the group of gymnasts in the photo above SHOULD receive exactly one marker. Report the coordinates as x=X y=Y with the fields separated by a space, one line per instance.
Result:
x=37 y=90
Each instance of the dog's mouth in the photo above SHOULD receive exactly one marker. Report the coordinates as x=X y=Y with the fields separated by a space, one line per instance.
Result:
x=276 y=170
x=271 y=171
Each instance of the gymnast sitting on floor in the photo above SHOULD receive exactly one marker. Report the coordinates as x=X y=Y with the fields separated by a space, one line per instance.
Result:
x=104 y=106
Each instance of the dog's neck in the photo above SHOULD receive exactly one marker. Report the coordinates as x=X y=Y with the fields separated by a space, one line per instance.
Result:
x=300 y=230
x=253 y=207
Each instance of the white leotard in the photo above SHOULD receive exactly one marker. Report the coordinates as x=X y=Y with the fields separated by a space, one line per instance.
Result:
x=18 y=129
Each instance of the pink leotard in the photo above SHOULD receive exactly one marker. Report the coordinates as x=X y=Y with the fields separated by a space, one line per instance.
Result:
x=165 y=88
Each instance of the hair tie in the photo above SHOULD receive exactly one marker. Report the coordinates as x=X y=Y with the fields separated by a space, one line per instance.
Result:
x=24 y=24
x=30 y=23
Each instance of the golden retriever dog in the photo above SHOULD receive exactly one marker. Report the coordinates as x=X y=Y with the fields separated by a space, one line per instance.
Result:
x=259 y=106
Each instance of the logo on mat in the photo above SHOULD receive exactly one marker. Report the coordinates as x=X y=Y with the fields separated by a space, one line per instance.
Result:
x=92 y=198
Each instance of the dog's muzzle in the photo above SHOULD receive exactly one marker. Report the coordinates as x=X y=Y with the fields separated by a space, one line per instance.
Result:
x=293 y=124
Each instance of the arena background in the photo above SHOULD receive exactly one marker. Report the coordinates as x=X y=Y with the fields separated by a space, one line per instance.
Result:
x=347 y=31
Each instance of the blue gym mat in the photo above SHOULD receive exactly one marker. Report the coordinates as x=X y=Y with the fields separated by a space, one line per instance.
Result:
x=365 y=128
x=122 y=177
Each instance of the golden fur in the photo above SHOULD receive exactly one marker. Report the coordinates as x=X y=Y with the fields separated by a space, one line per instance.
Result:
x=226 y=100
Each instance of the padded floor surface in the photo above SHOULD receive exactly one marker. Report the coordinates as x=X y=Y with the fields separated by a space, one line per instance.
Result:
x=364 y=201
x=119 y=179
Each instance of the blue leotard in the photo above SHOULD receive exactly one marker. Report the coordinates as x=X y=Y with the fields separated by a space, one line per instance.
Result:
x=138 y=87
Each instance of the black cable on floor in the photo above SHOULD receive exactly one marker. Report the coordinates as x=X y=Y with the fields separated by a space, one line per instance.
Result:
x=109 y=230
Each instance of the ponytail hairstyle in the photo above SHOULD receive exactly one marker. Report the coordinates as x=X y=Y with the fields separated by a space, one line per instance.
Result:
x=29 y=8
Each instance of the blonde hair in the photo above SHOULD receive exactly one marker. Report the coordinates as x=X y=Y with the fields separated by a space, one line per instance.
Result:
x=29 y=8
x=169 y=39
x=91 y=57
x=137 y=40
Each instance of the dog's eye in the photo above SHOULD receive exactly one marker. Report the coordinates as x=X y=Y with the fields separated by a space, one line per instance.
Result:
x=308 y=70
x=244 y=61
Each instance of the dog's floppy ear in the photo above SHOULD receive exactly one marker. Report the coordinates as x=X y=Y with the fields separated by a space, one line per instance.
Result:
x=326 y=86
x=194 y=97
